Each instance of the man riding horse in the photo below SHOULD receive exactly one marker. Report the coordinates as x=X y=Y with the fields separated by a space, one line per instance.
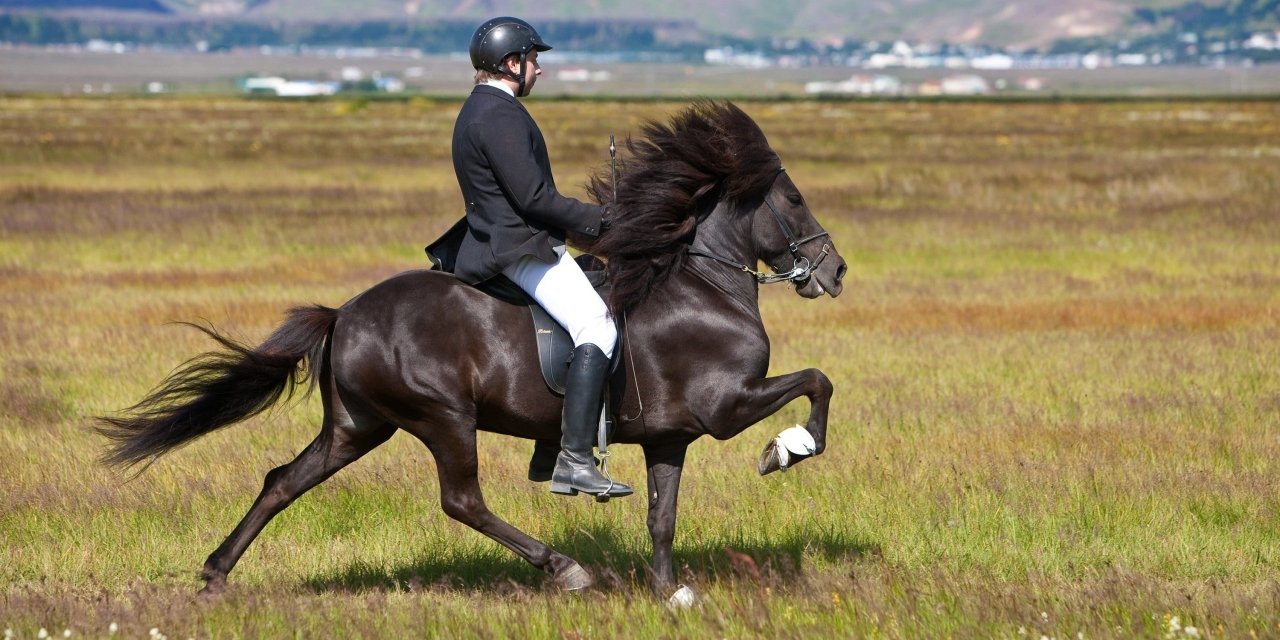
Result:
x=703 y=202
x=515 y=226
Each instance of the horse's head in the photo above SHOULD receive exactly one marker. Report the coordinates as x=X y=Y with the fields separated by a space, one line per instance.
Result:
x=693 y=187
x=793 y=244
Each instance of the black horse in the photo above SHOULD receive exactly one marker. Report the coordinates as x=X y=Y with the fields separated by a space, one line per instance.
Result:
x=701 y=200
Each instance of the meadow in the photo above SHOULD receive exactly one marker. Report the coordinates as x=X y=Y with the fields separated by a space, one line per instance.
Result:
x=1055 y=370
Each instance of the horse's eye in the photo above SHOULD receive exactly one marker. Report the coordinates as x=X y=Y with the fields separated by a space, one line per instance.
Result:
x=795 y=199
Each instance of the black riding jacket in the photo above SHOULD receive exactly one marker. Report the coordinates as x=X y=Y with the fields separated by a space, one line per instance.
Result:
x=512 y=206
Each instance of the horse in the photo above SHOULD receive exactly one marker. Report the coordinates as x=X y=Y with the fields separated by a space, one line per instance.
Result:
x=700 y=200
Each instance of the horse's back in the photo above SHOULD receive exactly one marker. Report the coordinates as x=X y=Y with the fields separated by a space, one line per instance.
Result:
x=422 y=341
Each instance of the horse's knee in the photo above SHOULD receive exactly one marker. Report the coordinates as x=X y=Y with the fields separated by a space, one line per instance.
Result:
x=662 y=533
x=823 y=384
x=463 y=508
x=274 y=485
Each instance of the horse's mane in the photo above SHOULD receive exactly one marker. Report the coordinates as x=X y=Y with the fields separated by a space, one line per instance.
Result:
x=670 y=177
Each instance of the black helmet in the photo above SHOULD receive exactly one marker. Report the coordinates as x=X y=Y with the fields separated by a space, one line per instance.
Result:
x=500 y=37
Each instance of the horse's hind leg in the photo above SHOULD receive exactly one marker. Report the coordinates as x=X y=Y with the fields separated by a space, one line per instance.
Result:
x=454 y=450
x=284 y=484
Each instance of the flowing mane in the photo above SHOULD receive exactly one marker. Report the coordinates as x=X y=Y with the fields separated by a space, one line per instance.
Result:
x=671 y=177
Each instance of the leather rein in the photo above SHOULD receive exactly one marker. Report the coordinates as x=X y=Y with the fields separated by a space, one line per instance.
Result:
x=801 y=268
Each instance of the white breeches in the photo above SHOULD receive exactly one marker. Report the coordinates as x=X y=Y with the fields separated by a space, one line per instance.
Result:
x=563 y=290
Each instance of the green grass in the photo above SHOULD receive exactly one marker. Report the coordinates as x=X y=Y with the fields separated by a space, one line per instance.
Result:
x=1054 y=363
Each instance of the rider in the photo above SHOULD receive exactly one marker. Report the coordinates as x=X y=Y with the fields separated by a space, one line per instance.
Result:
x=515 y=225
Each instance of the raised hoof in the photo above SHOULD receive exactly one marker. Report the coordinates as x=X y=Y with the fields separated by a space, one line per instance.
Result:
x=785 y=451
x=683 y=598
x=769 y=459
x=574 y=578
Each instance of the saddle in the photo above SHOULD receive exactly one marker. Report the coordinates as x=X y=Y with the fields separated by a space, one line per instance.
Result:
x=555 y=347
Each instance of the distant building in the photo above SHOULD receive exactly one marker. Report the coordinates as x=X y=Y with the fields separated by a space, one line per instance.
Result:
x=275 y=85
x=965 y=85
x=389 y=84
x=957 y=85
x=859 y=85
x=728 y=56
x=1031 y=83
x=992 y=61
x=579 y=74
x=1264 y=41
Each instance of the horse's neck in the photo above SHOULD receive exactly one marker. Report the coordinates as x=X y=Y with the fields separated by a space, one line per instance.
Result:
x=728 y=236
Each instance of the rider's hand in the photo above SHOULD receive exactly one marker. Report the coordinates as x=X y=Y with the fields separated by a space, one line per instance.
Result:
x=606 y=216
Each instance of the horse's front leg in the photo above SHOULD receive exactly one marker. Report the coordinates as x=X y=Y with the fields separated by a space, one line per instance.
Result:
x=741 y=406
x=665 y=463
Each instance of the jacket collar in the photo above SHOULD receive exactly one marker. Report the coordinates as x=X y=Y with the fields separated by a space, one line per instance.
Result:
x=494 y=91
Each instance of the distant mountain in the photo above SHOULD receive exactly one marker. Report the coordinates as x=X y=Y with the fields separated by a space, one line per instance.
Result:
x=1000 y=22
x=142 y=6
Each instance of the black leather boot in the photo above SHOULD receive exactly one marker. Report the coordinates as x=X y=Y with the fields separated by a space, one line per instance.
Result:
x=543 y=460
x=575 y=469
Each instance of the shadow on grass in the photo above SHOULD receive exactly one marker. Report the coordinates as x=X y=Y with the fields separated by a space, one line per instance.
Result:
x=617 y=566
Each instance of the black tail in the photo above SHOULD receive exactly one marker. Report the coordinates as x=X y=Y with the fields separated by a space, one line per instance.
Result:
x=220 y=388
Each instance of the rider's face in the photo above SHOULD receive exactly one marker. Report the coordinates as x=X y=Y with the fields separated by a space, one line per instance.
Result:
x=531 y=69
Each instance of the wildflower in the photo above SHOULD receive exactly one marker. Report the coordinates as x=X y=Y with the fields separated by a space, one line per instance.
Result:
x=66 y=633
x=155 y=631
x=8 y=634
x=1044 y=615
x=1174 y=624
x=1022 y=631
x=43 y=633
x=1191 y=632
x=112 y=629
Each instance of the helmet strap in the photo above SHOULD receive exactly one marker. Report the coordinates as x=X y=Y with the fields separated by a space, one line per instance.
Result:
x=518 y=77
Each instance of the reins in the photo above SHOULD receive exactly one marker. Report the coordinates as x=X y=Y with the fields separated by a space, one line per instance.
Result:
x=801 y=267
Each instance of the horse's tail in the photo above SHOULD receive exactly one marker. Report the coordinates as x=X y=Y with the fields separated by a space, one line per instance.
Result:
x=220 y=388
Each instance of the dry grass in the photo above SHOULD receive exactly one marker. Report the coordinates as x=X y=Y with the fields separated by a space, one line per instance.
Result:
x=1054 y=363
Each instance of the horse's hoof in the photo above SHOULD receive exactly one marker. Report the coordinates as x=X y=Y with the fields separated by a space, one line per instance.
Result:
x=683 y=598
x=785 y=451
x=574 y=578
x=211 y=591
x=214 y=584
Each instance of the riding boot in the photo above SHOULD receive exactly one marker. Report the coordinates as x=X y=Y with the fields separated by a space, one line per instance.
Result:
x=584 y=389
x=543 y=460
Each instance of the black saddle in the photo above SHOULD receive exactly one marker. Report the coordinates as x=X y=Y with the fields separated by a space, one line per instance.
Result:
x=555 y=347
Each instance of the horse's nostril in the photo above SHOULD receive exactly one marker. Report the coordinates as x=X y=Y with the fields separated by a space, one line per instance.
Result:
x=840 y=272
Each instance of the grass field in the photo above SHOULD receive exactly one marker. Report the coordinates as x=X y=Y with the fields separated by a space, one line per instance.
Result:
x=1055 y=364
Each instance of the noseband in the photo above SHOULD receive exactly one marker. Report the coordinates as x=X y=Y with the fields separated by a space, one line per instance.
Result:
x=801 y=268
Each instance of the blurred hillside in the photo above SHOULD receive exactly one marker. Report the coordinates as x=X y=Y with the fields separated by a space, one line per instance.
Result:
x=1018 y=23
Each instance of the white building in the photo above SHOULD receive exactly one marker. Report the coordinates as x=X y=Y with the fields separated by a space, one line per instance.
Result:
x=859 y=85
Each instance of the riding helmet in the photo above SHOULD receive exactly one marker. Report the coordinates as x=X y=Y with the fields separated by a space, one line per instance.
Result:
x=501 y=37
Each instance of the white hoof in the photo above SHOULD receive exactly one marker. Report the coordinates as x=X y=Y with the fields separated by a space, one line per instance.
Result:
x=683 y=598
x=574 y=578
x=791 y=446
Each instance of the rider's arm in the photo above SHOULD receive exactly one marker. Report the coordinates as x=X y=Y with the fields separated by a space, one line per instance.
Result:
x=509 y=149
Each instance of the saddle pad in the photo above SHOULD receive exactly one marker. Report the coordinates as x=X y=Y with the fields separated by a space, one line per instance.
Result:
x=555 y=348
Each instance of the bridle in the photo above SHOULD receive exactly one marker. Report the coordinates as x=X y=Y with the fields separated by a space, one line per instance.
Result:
x=801 y=268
